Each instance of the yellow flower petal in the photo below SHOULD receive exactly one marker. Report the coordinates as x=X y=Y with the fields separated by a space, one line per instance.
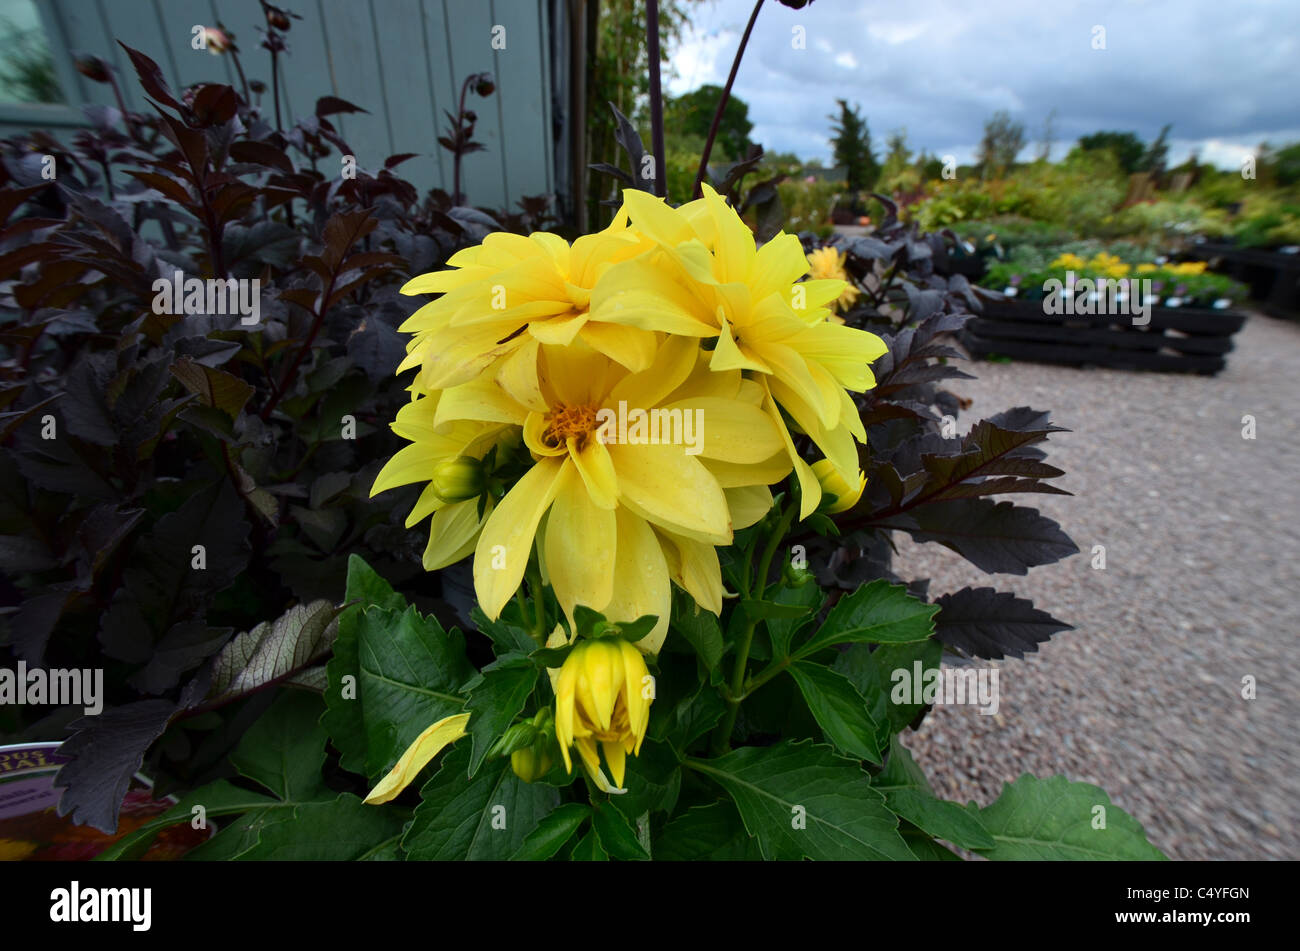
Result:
x=426 y=746
x=501 y=555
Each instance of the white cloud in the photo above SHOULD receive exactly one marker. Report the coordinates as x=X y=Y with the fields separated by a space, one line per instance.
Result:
x=1222 y=74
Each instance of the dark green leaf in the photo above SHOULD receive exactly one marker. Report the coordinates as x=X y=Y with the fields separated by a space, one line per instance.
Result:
x=552 y=832
x=840 y=710
x=341 y=830
x=1037 y=819
x=495 y=701
x=616 y=836
x=487 y=817
x=877 y=613
x=801 y=800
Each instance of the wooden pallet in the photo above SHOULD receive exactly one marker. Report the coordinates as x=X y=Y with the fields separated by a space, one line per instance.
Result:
x=1176 y=339
x=1273 y=277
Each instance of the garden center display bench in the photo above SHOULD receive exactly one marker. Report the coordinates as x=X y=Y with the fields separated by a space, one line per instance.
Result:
x=1176 y=338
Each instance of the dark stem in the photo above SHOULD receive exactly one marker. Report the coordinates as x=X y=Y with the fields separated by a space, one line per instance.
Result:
x=456 y=196
x=287 y=379
x=722 y=103
x=275 y=88
x=121 y=105
x=234 y=54
x=656 y=96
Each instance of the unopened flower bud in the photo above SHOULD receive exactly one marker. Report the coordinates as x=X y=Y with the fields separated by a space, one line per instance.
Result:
x=833 y=482
x=458 y=479
x=93 y=68
x=484 y=86
x=531 y=763
x=217 y=41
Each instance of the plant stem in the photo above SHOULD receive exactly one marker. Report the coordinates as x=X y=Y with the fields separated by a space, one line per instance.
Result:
x=275 y=88
x=722 y=103
x=778 y=533
x=722 y=735
x=539 y=603
x=456 y=196
x=656 y=97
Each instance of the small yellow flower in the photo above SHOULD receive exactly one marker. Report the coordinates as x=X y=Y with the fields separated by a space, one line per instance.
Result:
x=1146 y=268
x=827 y=264
x=833 y=481
x=602 y=695
x=1069 y=262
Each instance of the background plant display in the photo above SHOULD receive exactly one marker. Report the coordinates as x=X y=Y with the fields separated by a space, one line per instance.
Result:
x=313 y=663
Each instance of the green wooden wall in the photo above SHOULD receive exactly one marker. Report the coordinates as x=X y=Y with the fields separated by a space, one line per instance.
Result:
x=403 y=60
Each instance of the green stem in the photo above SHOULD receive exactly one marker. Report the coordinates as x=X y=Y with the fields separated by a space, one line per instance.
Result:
x=722 y=736
x=539 y=603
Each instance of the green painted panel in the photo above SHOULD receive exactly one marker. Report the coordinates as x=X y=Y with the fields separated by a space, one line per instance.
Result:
x=355 y=65
x=521 y=99
x=469 y=37
x=411 y=113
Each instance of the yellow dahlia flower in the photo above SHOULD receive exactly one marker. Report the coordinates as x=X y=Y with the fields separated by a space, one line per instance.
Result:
x=617 y=509
x=602 y=696
x=510 y=290
x=828 y=264
x=713 y=281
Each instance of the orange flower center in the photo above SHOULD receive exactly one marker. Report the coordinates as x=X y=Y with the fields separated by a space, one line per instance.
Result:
x=564 y=422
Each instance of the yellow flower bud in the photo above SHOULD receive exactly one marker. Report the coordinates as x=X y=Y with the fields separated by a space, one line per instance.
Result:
x=458 y=479
x=833 y=482
x=603 y=695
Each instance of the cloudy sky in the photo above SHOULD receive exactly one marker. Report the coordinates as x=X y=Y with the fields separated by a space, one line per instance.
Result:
x=1225 y=73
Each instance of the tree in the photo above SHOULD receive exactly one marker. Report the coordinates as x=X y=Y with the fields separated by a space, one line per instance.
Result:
x=1003 y=139
x=692 y=114
x=898 y=175
x=851 y=147
x=1125 y=146
x=1153 y=160
x=1048 y=138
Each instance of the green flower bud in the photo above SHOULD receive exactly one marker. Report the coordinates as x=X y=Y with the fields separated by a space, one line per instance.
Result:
x=458 y=479
x=531 y=763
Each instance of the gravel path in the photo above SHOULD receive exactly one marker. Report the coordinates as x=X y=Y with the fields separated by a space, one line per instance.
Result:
x=1199 y=590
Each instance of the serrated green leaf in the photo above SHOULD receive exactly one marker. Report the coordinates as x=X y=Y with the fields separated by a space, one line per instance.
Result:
x=877 y=613
x=342 y=830
x=588 y=849
x=555 y=829
x=840 y=710
x=285 y=749
x=782 y=630
x=800 y=800
x=889 y=658
x=701 y=630
x=459 y=818
x=508 y=632
x=909 y=796
x=409 y=673
x=367 y=588
x=1037 y=819
x=495 y=701
x=616 y=835
x=711 y=833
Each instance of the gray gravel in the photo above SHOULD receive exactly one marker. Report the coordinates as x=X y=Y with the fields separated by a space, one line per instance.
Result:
x=1199 y=590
